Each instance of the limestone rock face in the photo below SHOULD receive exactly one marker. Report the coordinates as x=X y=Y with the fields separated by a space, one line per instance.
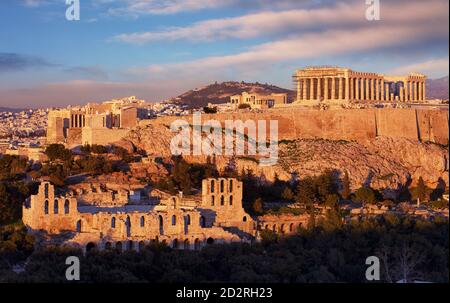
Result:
x=154 y=139
x=383 y=162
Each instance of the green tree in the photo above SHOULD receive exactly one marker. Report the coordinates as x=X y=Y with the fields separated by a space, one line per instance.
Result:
x=346 y=191
x=58 y=152
x=365 y=195
x=258 y=206
x=421 y=191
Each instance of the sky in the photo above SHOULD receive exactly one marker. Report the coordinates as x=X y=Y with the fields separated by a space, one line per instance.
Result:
x=157 y=49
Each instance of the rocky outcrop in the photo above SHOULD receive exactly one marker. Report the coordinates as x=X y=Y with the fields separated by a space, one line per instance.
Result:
x=382 y=162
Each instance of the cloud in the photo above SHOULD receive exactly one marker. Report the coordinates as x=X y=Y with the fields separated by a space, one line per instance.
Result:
x=94 y=71
x=10 y=62
x=434 y=68
x=164 y=7
x=263 y=24
x=308 y=46
x=34 y=3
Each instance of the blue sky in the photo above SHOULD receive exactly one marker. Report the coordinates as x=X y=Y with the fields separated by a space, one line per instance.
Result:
x=157 y=49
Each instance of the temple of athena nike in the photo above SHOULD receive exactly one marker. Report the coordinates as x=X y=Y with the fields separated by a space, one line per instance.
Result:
x=343 y=85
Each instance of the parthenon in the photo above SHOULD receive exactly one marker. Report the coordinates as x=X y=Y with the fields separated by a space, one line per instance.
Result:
x=317 y=84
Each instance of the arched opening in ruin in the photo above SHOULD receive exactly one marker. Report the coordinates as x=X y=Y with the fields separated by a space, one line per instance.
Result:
x=119 y=246
x=46 y=207
x=141 y=245
x=130 y=245
x=212 y=186
x=197 y=244
x=266 y=227
x=55 y=207
x=90 y=246
x=78 y=228
x=291 y=227
x=175 y=243
x=128 y=226
x=174 y=202
x=244 y=219
x=161 y=225
x=187 y=222
x=274 y=228
x=222 y=186
x=202 y=221
x=282 y=228
x=113 y=222
x=210 y=241
x=186 y=244
x=66 y=207
x=231 y=186
x=46 y=190
x=231 y=200
x=222 y=200
x=108 y=245
x=213 y=200
x=174 y=220
x=142 y=221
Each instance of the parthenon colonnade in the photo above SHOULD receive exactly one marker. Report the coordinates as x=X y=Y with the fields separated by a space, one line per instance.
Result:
x=342 y=84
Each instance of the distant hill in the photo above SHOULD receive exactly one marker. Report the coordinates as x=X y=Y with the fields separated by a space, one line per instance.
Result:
x=221 y=92
x=13 y=110
x=437 y=88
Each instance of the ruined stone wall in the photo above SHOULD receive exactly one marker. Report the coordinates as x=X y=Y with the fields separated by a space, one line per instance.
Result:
x=350 y=124
x=178 y=224
x=102 y=136
x=223 y=198
x=283 y=223
x=58 y=122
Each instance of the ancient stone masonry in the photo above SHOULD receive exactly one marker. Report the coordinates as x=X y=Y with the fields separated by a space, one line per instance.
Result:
x=257 y=100
x=218 y=217
x=343 y=85
x=95 y=123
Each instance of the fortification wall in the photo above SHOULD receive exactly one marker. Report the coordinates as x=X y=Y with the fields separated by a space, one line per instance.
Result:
x=350 y=124
x=102 y=136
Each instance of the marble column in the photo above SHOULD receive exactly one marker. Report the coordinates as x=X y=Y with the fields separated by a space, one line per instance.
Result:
x=424 y=95
x=377 y=89
x=416 y=90
x=387 y=92
x=304 y=88
x=340 y=96
x=362 y=97
x=411 y=95
x=420 y=91
x=333 y=88
x=319 y=89
x=357 y=89
x=311 y=89
x=405 y=90
x=367 y=94
x=372 y=89
x=325 y=88
x=351 y=87
x=347 y=88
